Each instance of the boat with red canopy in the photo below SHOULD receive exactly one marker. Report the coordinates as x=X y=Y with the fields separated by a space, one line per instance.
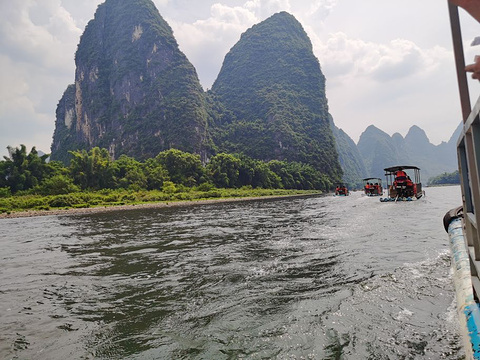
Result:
x=403 y=183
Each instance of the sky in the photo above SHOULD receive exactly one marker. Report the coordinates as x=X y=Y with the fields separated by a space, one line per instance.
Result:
x=387 y=63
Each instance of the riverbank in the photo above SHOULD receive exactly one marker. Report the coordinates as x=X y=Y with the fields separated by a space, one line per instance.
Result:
x=149 y=205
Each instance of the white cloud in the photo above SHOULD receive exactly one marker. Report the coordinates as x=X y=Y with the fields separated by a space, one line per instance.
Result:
x=265 y=8
x=45 y=35
x=207 y=41
x=23 y=120
x=37 y=45
x=346 y=58
x=319 y=8
x=230 y=15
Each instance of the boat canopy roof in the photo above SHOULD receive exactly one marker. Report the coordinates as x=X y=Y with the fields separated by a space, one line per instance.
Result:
x=373 y=178
x=403 y=167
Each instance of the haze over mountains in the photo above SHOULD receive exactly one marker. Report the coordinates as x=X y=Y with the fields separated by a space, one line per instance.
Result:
x=136 y=93
x=377 y=150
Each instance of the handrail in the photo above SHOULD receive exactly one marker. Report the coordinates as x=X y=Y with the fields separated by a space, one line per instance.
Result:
x=468 y=151
x=459 y=60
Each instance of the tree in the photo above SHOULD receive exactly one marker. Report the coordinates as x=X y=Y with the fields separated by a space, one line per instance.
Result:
x=183 y=168
x=57 y=185
x=257 y=174
x=129 y=172
x=156 y=174
x=22 y=171
x=92 y=170
x=295 y=175
x=224 y=170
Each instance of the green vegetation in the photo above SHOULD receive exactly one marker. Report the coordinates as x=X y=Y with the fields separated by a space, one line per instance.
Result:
x=28 y=181
x=137 y=95
x=22 y=171
x=132 y=82
x=274 y=90
x=350 y=159
x=115 y=197
x=446 y=179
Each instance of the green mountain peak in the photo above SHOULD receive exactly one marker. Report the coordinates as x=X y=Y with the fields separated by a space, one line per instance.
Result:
x=135 y=92
x=273 y=84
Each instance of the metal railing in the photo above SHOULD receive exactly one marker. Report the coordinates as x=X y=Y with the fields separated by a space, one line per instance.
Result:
x=468 y=151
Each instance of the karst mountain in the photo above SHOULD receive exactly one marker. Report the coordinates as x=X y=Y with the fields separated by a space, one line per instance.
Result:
x=136 y=93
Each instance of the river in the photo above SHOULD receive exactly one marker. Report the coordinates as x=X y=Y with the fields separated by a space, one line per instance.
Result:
x=319 y=277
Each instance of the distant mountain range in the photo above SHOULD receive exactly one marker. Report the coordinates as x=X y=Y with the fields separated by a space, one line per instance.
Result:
x=377 y=150
x=136 y=93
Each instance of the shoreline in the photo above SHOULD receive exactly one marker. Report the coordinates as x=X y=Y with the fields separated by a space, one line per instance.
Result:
x=153 y=205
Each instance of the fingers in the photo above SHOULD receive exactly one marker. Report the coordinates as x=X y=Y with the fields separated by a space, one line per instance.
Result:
x=474 y=68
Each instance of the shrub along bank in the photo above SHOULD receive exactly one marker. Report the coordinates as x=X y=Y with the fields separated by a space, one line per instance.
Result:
x=30 y=181
x=103 y=198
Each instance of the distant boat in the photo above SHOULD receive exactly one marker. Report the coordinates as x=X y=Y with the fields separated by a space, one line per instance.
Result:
x=372 y=186
x=341 y=190
x=400 y=185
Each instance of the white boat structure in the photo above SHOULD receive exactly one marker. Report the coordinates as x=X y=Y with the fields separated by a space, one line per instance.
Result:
x=463 y=223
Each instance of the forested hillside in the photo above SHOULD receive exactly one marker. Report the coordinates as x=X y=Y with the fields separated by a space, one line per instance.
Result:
x=135 y=92
x=273 y=85
x=351 y=160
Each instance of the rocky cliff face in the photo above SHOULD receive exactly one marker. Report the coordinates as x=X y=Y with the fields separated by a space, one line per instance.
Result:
x=135 y=92
x=272 y=83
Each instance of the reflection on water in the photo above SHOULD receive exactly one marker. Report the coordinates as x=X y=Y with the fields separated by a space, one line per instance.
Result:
x=312 y=278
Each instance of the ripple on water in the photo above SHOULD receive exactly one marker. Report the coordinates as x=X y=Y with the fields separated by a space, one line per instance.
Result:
x=311 y=278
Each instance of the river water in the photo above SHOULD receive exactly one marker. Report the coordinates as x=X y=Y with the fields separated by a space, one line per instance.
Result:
x=299 y=278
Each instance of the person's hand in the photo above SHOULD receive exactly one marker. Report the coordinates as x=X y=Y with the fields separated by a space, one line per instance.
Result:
x=474 y=68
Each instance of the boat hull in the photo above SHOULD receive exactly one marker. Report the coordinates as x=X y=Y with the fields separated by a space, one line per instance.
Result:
x=467 y=308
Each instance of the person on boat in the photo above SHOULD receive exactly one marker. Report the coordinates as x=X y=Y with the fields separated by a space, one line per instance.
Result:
x=409 y=181
x=400 y=175
x=341 y=190
x=367 y=188
x=400 y=178
x=400 y=183
x=473 y=8
x=409 y=185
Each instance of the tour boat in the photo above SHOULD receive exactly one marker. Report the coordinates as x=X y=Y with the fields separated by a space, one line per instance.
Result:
x=372 y=186
x=463 y=223
x=402 y=187
x=341 y=190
